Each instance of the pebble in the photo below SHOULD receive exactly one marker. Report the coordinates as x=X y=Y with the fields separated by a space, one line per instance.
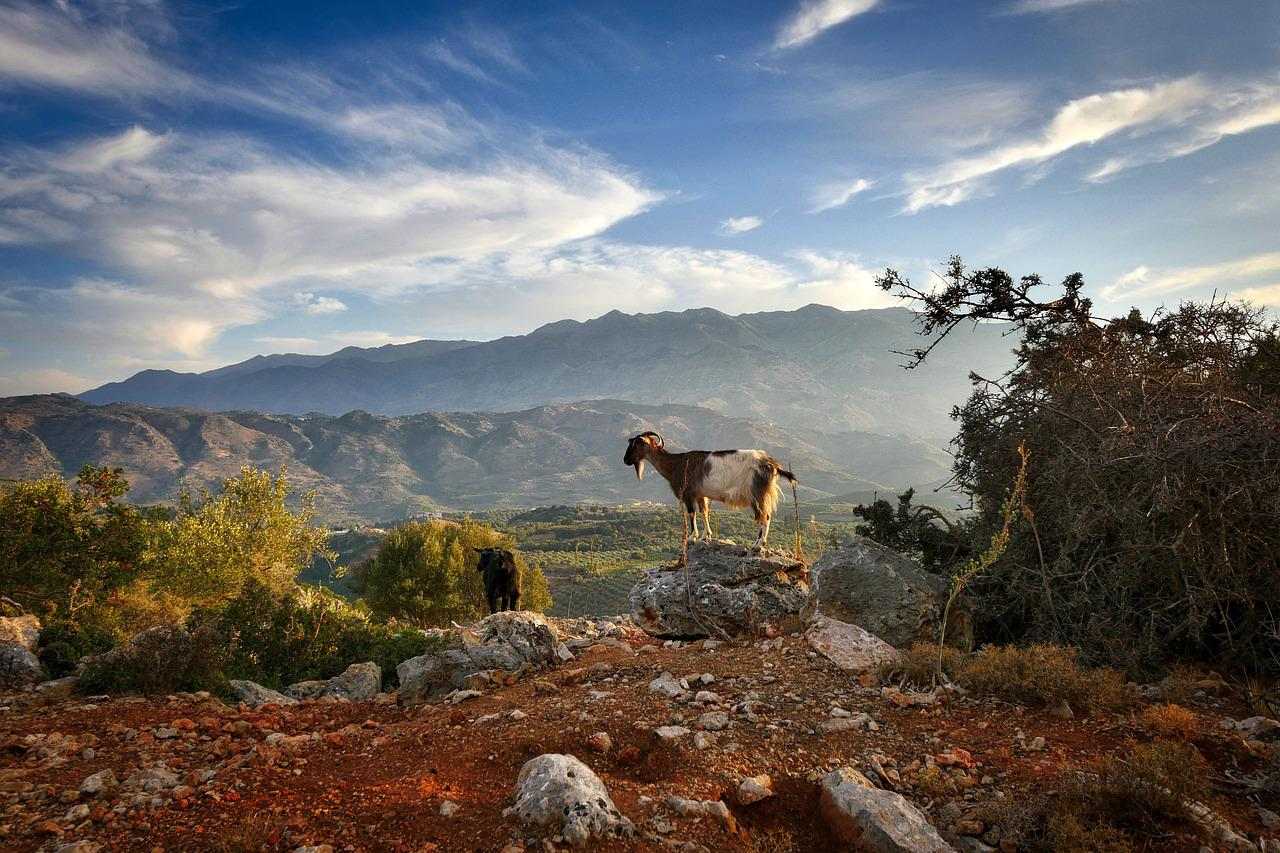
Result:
x=753 y=789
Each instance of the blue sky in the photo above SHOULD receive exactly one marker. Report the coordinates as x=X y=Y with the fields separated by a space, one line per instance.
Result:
x=188 y=184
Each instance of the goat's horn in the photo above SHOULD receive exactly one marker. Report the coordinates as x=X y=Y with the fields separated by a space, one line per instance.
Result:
x=654 y=434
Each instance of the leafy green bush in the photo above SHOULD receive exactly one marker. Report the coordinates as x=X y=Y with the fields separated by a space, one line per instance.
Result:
x=306 y=633
x=163 y=659
x=65 y=546
x=64 y=642
x=425 y=574
x=216 y=542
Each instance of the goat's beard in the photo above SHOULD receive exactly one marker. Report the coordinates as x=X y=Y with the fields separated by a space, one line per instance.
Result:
x=640 y=470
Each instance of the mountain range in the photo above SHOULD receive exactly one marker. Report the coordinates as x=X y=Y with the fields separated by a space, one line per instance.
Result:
x=816 y=368
x=367 y=467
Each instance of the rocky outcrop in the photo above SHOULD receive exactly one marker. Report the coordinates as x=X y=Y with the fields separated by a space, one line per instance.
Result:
x=19 y=668
x=359 y=682
x=20 y=630
x=866 y=584
x=562 y=793
x=731 y=591
x=509 y=642
x=848 y=646
x=874 y=820
x=253 y=694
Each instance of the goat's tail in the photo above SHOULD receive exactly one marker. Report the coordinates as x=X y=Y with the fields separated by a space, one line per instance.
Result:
x=783 y=472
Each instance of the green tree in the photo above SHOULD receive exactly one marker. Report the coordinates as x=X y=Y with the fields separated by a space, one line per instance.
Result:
x=217 y=542
x=1148 y=528
x=918 y=530
x=425 y=574
x=64 y=546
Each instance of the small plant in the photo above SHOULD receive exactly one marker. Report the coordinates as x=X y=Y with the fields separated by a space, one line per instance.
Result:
x=918 y=666
x=1169 y=721
x=1041 y=674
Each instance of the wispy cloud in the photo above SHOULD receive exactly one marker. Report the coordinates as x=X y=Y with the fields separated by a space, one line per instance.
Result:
x=1026 y=7
x=1165 y=120
x=839 y=194
x=735 y=225
x=1224 y=276
x=817 y=16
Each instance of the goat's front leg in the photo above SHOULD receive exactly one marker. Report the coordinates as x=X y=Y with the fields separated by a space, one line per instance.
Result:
x=763 y=536
x=706 y=518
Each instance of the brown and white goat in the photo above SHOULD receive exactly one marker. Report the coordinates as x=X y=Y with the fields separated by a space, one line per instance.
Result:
x=735 y=478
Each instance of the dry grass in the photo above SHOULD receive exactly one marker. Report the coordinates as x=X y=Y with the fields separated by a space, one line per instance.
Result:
x=1169 y=721
x=1041 y=675
x=918 y=665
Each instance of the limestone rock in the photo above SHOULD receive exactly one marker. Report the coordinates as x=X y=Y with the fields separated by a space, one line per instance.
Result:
x=359 y=682
x=864 y=583
x=19 y=668
x=510 y=641
x=733 y=590
x=253 y=694
x=562 y=793
x=874 y=820
x=848 y=646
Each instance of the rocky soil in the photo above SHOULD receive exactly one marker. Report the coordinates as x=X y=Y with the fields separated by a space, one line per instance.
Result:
x=743 y=745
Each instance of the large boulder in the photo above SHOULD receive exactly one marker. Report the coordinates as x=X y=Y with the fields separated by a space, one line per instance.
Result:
x=731 y=590
x=848 y=646
x=359 y=682
x=877 y=821
x=511 y=641
x=19 y=668
x=565 y=795
x=20 y=630
x=864 y=583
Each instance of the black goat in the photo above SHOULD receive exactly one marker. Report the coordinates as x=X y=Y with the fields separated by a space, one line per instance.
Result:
x=501 y=578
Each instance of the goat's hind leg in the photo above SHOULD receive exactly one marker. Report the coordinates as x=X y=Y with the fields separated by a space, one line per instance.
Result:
x=706 y=519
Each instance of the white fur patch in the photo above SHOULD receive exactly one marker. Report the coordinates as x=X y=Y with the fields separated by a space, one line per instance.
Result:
x=730 y=477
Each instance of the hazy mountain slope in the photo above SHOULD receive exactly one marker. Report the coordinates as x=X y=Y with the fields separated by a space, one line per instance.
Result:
x=815 y=368
x=370 y=467
x=384 y=353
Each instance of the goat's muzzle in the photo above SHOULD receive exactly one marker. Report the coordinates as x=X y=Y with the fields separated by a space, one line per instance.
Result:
x=639 y=469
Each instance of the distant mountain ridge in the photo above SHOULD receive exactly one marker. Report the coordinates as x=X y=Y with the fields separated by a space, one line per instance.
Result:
x=369 y=467
x=814 y=368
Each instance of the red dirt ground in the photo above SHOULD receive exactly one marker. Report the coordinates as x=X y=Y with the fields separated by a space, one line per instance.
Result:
x=376 y=778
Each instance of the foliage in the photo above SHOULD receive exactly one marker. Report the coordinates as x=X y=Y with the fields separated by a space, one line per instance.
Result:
x=217 y=542
x=1040 y=674
x=425 y=574
x=63 y=642
x=164 y=659
x=918 y=665
x=305 y=633
x=1156 y=481
x=1170 y=721
x=65 y=546
x=917 y=530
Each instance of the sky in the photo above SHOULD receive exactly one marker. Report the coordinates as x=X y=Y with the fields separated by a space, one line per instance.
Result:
x=184 y=185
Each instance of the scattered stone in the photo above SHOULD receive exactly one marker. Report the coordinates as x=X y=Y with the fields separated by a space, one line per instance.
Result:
x=754 y=789
x=703 y=808
x=359 y=682
x=668 y=685
x=703 y=740
x=848 y=646
x=561 y=792
x=875 y=820
x=670 y=734
x=714 y=721
x=509 y=642
x=448 y=808
x=19 y=668
x=600 y=742
x=844 y=724
x=77 y=813
x=255 y=695
x=102 y=782
x=84 y=845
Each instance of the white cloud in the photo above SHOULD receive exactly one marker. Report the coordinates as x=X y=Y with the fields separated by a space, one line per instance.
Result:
x=1225 y=276
x=356 y=338
x=132 y=146
x=836 y=195
x=317 y=305
x=277 y=343
x=70 y=45
x=1164 y=120
x=740 y=225
x=1268 y=295
x=1024 y=7
x=816 y=16
x=43 y=381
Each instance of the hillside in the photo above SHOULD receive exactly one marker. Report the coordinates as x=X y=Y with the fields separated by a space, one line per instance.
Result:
x=370 y=467
x=816 y=367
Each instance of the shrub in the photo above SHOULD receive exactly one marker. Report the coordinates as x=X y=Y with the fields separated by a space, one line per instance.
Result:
x=64 y=642
x=1150 y=532
x=160 y=660
x=1170 y=721
x=918 y=665
x=425 y=574
x=65 y=546
x=305 y=633
x=1041 y=674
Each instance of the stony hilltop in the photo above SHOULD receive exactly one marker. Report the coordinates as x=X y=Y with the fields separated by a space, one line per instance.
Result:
x=522 y=732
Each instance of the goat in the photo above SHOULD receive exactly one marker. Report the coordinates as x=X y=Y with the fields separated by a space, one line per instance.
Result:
x=501 y=578
x=735 y=478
